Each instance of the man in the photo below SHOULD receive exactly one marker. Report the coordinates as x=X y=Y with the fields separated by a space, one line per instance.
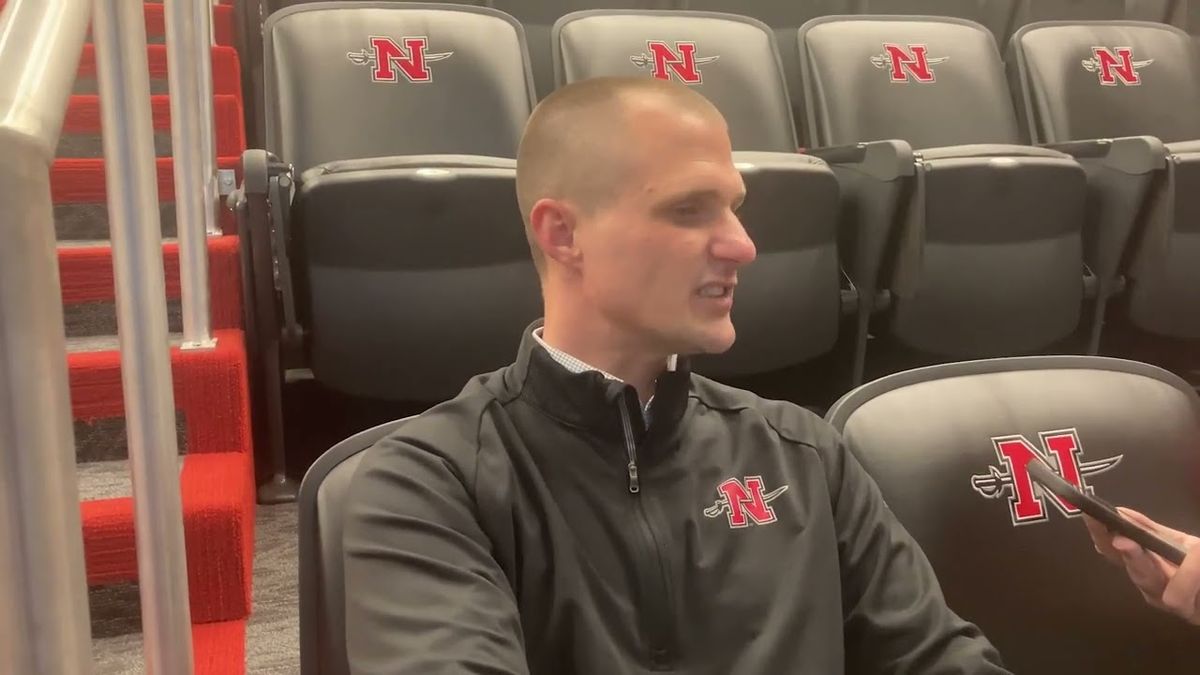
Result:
x=1169 y=588
x=594 y=507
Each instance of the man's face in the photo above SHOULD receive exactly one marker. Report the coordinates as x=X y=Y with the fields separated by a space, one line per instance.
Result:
x=660 y=262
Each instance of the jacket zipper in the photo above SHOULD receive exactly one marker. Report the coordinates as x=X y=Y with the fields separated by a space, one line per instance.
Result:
x=650 y=566
x=631 y=450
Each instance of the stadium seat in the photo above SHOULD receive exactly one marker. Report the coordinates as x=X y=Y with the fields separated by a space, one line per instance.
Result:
x=322 y=584
x=789 y=301
x=784 y=18
x=948 y=446
x=538 y=16
x=1173 y=12
x=1109 y=80
x=389 y=172
x=1024 y=12
x=986 y=259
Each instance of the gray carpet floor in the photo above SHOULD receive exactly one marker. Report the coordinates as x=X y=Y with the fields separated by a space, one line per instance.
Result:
x=273 y=631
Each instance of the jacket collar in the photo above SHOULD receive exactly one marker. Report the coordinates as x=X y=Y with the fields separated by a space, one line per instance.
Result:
x=591 y=401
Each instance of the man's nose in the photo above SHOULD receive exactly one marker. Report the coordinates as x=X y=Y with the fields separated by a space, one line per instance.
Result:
x=734 y=244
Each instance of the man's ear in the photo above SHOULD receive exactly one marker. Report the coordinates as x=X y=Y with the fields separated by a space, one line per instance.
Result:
x=553 y=224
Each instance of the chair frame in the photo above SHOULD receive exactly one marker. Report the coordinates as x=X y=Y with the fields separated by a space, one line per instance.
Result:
x=311 y=576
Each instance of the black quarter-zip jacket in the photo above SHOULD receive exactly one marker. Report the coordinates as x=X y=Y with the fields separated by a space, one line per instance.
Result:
x=534 y=524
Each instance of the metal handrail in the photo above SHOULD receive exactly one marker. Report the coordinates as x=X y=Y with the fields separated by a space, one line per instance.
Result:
x=44 y=619
x=119 y=31
x=189 y=73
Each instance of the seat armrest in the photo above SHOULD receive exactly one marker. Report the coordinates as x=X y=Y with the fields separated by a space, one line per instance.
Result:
x=882 y=160
x=1133 y=155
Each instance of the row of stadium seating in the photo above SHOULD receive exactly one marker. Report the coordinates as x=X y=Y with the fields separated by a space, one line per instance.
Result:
x=918 y=212
x=1001 y=17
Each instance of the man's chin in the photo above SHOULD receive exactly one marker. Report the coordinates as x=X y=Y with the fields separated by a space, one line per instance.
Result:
x=716 y=341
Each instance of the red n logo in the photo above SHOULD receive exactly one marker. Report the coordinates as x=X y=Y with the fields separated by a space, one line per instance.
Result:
x=386 y=57
x=1060 y=450
x=744 y=501
x=909 y=61
x=681 y=61
x=1115 y=66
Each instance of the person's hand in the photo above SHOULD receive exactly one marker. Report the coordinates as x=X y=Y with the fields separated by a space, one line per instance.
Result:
x=1170 y=588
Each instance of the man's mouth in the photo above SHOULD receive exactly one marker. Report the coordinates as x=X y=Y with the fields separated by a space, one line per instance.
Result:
x=715 y=290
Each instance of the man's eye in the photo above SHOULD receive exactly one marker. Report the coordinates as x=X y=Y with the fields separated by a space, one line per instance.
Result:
x=686 y=211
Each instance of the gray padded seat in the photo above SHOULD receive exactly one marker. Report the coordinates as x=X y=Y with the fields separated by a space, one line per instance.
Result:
x=987 y=258
x=538 y=17
x=935 y=440
x=1178 y=13
x=786 y=16
x=1024 y=12
x=991 y=13
x=787 y=309
x=1072 y=92
x=413 y=269
x=322 y=584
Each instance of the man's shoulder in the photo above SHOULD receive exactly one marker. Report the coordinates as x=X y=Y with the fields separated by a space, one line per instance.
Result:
x=792 y=423
x=449 y=430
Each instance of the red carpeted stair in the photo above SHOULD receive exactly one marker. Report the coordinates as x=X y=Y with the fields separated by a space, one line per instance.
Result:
x=211 y=388
x=211 y=393
x=225 y=73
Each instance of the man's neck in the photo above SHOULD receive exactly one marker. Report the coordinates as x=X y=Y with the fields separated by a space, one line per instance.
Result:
x=600 y=348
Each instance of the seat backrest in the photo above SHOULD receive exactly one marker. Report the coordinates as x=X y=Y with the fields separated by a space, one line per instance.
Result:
x=538 y=16
x=1024 y=12
x=784 y=18
x=730 y=59
x=1106 y=79
x=347 y=80
x=1175 y=12
x=932 y=81
x=947 y=446
x=322 y=584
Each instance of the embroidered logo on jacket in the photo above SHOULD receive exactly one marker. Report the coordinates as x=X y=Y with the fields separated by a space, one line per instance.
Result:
x=743 y=501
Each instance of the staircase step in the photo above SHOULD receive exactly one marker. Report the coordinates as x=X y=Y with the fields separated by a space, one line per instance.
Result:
x=217 y=491
x=226 y=72
x=156 y=29
x=81 y=127
x=104 y=439
x=88 y=293
x=216 y=480
x=210 y=387
x=100 y=343
x=77 y=187
x=107 y=480
x=218 y=648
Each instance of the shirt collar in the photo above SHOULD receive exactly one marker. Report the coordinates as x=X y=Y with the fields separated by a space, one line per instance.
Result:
x=589 y=400
x=575 y=365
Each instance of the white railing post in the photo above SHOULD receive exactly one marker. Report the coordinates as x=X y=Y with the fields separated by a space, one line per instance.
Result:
x=44 y=618
x=119 y=32
x=193 y=149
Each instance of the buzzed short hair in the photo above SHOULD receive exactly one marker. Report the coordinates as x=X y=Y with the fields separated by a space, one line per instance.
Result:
x=572 y=146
